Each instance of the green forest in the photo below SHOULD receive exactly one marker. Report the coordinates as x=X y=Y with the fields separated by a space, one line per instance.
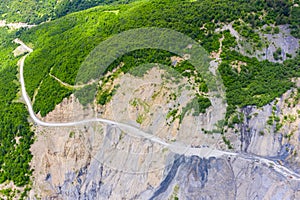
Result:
x=15 y=134
x=37 y=11
x=62 y=44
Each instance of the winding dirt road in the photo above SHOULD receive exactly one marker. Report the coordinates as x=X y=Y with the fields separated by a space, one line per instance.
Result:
x=205 y=152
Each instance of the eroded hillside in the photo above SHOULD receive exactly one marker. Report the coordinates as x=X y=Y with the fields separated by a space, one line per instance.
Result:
x=161 y=134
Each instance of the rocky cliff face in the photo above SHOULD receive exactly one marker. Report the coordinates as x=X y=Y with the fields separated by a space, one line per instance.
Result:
x=96 y=161
x=271 y=131
x=183 y=178
x=223 y=178
x=104 y=163
x=282 y=40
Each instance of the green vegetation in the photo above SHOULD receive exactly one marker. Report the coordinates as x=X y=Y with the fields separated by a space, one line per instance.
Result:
x=15 y=134
x=143 y=109
x=72 y=134
x=174 y=193
x=271 y=30
x=8 y=193
x=104 y=96
x=227 y=142
x=258 y=83
x=138 y=62
x=277 y=54
x=35 y=11
x=140 y=119
x=85 y=95
x=139 y=102
x=172 y=114
x=295 y=20
x=51 y=90
x=198 y=105
x=276 y=30
x=236 y=118
x=229 y=41
x=11 y=194
x=289 y=118
x=247 y=31
x=31 y=11
x=261 y=133
x=274 y=119
x=278 y=126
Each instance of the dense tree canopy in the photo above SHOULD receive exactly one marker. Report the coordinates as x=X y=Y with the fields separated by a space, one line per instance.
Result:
x=15 y=134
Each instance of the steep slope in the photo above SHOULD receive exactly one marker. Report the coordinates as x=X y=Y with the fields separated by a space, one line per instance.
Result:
x=242 y=41
x=35 y=12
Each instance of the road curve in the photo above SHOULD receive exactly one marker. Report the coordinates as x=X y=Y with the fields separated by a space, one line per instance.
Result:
x=131 y=130
x=127 y=128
